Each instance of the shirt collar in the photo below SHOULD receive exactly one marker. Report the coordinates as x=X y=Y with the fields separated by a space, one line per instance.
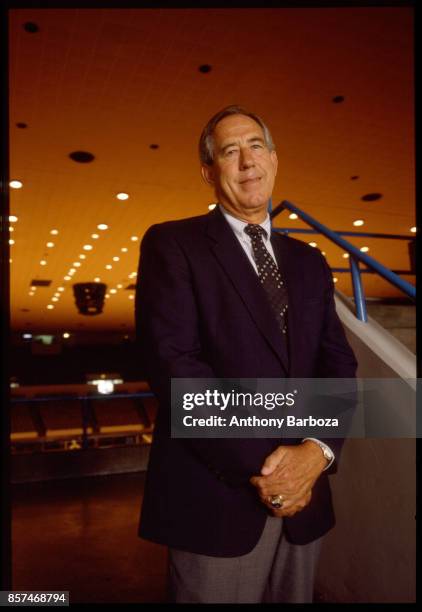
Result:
x=238 y=225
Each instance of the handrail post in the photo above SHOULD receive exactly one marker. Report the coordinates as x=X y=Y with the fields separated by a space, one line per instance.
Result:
x=360 y=303
x=85 y=423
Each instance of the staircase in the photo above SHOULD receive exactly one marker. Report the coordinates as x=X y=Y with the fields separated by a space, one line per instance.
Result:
x=398 y=319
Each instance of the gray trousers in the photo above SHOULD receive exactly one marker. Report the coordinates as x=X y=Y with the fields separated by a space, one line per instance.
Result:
x=275 y=571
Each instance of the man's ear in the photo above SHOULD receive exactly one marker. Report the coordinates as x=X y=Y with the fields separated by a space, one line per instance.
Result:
x=274 y=160
x=207 y=173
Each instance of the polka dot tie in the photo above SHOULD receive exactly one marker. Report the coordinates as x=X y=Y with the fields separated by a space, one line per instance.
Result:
x=269 y=275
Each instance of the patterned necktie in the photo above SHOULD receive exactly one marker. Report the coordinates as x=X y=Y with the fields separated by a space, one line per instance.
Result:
x=269 y=275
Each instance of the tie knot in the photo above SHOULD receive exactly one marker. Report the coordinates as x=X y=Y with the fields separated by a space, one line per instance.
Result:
x=255 y=231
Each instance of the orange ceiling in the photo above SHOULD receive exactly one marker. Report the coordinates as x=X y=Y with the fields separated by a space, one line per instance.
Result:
x=114 y=81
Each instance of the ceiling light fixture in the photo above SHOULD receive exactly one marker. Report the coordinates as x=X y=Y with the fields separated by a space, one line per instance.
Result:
x=16 y=184
x=87 y=247
x=43 y=262
x=116 y=258
x=102 y=226
x=134 y=238
x=365 y=249
x=95 y=236
x=13 y=218
x=413 y=230
x=54 y=232
x=50 y=245
x=123 y=250
x=293 y=216
x=122 y=196
x=109 y=267
x=82 y=256
x=313 y=244
x=211 y=206
x=358 y=222
x=11 y=241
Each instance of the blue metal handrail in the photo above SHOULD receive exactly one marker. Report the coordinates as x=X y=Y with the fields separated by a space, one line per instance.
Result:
x=356 y=256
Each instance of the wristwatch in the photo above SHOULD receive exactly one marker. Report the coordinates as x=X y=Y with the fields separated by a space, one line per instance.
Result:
x=326 y=451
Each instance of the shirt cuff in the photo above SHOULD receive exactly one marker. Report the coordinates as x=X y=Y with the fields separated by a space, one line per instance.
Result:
x=323 y=445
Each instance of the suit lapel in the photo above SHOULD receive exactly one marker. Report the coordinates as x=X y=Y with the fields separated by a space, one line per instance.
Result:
x=292 y=276
x=242 y=275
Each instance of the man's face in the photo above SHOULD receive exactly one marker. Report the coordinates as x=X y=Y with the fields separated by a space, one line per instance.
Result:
x=244 y=169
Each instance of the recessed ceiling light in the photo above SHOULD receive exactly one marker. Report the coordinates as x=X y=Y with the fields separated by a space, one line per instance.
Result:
x=364 y=249
x=313 y=244
x=358 y=222
x=131 y=297
x=82 y=157
x=212 y=206
x=346 y=255
x=16 y=184
x=50 y=245
x=27 y=336
x=30 y=27
x=11 y=228
x=293 y=216
x=13 y=218
x=323 y=253
x=134 y=238
x=10 y=260
x=67 y=277
x=31 y=293
x=72 y=271
x=335 y=279
x=87 y=247
x=122 y=196
x=371 y=197
x=116 y=258
x=106 y=296
x=413 y=230
x=77 y=264
x=43 y=262
x=50 y=307
x=54 y=299
x=66 y=335
x=123 y=250
x=95 y=236
x=119 y=286
x=82 y=256
x=109 y=267
x=113 y=290
x=102 y=226
x=97 y=279
x=60 y=289
x=11 y=241
x=54 y=232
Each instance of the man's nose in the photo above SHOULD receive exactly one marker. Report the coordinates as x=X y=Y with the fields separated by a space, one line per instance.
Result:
x=246 y=159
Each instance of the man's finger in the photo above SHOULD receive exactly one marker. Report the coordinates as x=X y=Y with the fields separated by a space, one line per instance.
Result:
x=272 y=461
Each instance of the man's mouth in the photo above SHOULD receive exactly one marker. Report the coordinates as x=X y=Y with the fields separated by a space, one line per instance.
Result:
x=255 y=179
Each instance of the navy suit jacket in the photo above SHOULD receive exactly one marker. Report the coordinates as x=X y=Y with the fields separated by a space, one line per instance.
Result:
x=202 y=313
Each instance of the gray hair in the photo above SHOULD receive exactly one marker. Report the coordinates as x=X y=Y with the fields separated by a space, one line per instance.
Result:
x=206 y=142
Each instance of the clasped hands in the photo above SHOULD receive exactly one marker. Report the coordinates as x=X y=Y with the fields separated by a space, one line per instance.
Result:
x=290 y=471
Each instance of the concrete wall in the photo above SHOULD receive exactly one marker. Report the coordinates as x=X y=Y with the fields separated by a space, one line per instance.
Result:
x=370 y=556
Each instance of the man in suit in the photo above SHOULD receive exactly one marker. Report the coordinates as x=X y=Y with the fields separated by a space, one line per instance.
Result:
x=222 y=296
